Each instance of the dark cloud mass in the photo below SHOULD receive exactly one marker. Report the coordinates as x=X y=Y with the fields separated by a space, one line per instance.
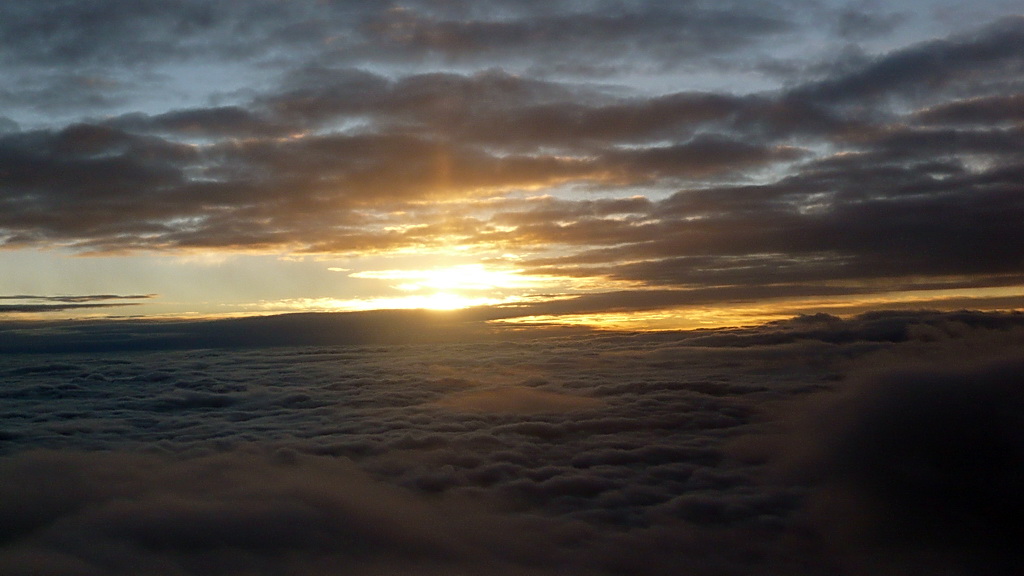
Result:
x=802 y=447
x=919 y=468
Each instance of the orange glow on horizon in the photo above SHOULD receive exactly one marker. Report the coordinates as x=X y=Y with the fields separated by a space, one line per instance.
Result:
x=735 y=314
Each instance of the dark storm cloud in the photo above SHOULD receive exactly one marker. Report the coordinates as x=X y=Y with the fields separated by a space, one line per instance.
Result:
x=700 y=157
x=97 y=187
x=577 y=124
x=210 y=123
x=445 y=103
x=496 y=109
x=908 y=199
x=83 y=179
x=852 y=223
x=982 y=111
x=989 y=58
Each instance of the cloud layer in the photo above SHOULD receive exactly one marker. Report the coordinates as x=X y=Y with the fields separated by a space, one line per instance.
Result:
x=916 y=469
x=607 y=453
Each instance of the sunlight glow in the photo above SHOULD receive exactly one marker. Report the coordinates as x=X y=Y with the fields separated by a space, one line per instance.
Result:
x=733 y=314
x=434 y=301
x=443 y=288
x=472 y=277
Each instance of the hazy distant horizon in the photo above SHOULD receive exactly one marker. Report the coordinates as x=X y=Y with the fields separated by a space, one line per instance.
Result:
x=405 y=327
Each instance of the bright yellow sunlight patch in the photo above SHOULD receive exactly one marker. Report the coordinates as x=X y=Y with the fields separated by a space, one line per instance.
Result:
x=465 y=277
x=445 y=288
x=439 y=288
x=435 y=301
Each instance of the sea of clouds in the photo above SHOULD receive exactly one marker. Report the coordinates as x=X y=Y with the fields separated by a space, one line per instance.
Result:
x=889 y=443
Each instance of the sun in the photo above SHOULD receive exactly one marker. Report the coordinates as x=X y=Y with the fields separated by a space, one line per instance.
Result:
x=447 y=287
x=461 y=278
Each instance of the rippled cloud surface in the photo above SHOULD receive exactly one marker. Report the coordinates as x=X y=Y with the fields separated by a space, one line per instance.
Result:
x=812 y=446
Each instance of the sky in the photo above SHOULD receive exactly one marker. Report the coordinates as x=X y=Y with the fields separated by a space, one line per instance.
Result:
x=600 y=163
